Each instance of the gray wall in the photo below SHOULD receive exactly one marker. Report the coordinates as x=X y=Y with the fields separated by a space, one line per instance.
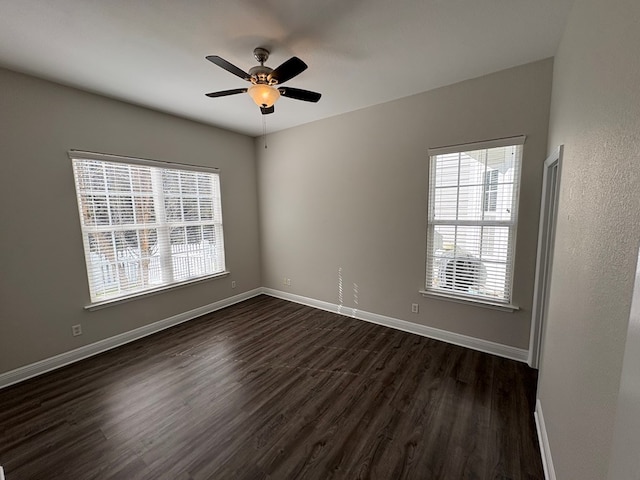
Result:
x=596 y=114
x=350 y=192
x=625 y=462
x=43 y=286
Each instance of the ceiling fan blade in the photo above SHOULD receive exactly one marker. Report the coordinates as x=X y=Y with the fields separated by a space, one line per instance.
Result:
x=229 y=67
x=298 y=94
x=267 y=110
x=289 y=69
x=225 y=93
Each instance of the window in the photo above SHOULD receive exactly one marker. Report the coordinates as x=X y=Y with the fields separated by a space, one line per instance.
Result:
x=145 y=224
x=472 y=220
x=490 y=190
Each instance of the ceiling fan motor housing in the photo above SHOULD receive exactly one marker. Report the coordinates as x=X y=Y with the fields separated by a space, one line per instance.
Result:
x=260 y=75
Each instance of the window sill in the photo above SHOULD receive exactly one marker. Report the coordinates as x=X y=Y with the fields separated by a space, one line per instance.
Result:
x=505 y=307
x=148 y=293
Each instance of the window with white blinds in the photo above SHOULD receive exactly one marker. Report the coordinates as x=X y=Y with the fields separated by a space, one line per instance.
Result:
x=145 y=224
x=472 y=220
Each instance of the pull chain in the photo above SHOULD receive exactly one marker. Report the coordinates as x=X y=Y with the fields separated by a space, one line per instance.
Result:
x=264 y=130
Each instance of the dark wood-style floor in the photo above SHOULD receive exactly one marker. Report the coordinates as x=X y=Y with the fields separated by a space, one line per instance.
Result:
x=272 y=389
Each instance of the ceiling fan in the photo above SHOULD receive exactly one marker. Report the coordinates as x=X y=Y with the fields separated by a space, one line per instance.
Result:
x=266 y=83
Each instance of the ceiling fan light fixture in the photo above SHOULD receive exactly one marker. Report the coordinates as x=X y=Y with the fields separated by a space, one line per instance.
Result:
x=263 y=95
x=266 y=83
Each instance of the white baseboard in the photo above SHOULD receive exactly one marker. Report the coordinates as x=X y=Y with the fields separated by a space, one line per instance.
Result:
x=545 y=450
x=485 y=346
x=66 y=358
x=43 y=366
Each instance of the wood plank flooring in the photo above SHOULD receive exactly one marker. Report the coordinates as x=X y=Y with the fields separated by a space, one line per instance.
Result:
x=269 y=389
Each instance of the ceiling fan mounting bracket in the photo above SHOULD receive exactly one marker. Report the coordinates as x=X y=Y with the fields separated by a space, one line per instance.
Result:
x=261 y=54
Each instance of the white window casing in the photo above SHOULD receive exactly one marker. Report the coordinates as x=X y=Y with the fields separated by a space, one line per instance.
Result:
x=472 y=221
x=146 y=225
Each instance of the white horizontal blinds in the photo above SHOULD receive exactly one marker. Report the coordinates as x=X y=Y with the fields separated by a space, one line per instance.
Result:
x=194 y=222
x=144 y=227
x=473 y=202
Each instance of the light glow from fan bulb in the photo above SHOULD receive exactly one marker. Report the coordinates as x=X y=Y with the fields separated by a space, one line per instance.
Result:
x=263 y=95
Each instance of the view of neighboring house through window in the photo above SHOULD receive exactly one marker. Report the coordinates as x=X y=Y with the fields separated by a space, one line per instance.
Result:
x=146 y=224
x=472 y=220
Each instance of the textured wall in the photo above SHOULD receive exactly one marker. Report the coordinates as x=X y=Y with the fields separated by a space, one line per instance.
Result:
x=43 y=287
x=349 y=194
x=595 y=113
x=625 y=462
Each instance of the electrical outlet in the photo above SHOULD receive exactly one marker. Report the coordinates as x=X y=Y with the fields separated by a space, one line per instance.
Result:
x=233 y=284
x=414 y=308
x=76 y=330
x=284 y=281
x=288 y=282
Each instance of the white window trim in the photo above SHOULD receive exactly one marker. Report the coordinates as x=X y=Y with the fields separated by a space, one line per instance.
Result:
x=106 y=157
x=456 y=297
x=154 y=291
x=86 y=155
x=477 y=302
x=466 y=147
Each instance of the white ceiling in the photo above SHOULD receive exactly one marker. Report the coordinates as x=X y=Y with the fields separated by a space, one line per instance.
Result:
x=359 y=52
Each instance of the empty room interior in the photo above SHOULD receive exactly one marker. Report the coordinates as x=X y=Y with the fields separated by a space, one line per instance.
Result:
x=268 y=240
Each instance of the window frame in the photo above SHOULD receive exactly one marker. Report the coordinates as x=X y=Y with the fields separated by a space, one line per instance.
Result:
x=512 y=223
x=216 y=223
